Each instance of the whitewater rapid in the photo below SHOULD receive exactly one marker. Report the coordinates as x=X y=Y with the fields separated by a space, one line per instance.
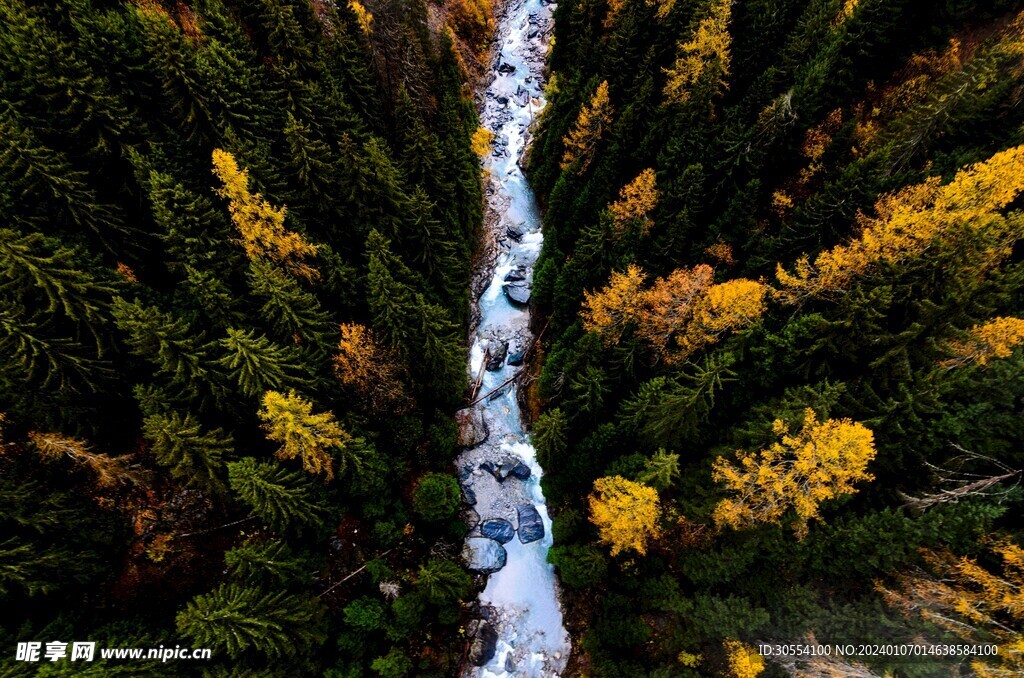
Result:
x=521 y=600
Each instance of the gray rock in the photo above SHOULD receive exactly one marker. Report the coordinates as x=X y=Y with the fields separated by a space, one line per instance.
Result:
x=516 y=359
x=488 y=613
x=471 y=518
x=497 y=350
x=472 y=427
x=481 y=650
x=484 y=555
x=531 y=527
x=521 y=471
x=514 y=232
x=505 y=67
x=518 y=293
x=469 y=496
x=510 y=666
x=498 y=529
x=516 y=274
x=489 y=467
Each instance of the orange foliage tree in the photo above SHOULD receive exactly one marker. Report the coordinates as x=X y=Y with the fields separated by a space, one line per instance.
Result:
x=677 y=315
x=704 y=57
x=369 y=368
x=581 y=141
x=970 y=601
x=626 y=513
x=915 y=218
x=108 y=471
x=995 y=339
x=260 y=224
x=743 y=661
x=821 y=461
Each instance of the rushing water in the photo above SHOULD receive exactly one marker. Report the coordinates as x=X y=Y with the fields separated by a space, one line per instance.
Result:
x=520 y=601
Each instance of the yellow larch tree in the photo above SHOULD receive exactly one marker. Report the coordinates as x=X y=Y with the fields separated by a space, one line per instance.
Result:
x=819 y=462
x=363 y=16
x=910 y=221
x=636 y=201
x=704 y=57
x=288 y=419
x=482 y=142
x=369 y=368
x=611 y=309
x=992 y=340
x=743 y=661
x=726 y=307
x=581 y=141
x=260 y=224
x=626 y=513
x=973 y=602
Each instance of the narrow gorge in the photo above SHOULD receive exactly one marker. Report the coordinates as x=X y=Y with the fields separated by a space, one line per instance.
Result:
x=520 y=630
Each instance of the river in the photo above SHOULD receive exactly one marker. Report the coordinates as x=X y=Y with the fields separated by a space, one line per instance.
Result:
x=520 y=631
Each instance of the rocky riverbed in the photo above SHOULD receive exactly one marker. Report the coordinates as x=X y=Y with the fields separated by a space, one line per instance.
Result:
x=519 y=631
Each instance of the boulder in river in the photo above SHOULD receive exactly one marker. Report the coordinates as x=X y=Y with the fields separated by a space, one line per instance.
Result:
x=517 y=358
x=514 y=232
x=472 y=427
x=506 y=67
x=469 y=496
x=471 y=518
x=496 y=352
x=484 y=555
x=521 y=471
x=516 y=274
x=518 y=293
x=484 y=644
x=498 y=529
x=531 y=527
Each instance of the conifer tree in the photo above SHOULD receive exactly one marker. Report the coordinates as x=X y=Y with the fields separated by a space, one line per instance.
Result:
x=292 y=312
x=703 y=60
x=235 y=619
x=256 y=364
x=266 y=561
x=191 y=454
x=282 y=498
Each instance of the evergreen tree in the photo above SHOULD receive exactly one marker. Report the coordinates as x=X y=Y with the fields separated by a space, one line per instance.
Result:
x=282 y=498
x=192 y=455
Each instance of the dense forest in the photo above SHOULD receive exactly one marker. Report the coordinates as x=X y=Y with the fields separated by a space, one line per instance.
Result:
x=234 y=285
x=780 y=400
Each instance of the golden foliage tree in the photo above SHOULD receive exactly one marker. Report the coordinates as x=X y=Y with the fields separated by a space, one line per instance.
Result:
x=581 y=141
x=908 y=222
x=288 y=419
x=973 y=602
x=260 y=224
x=626 y=513
x=369 y=368
x=363 y=16
x=482 y=142
x=702 y=58
x=742 y=660
x=636 y=201
x=995 y=339
x=678 y=314
x=610 y=310
x=821 y=461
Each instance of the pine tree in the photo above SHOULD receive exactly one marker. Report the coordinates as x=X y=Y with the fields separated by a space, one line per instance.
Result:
x=443 y=581
x=256 y=364
x=191 y=454
x=703 y=60
x=235 y=619
x=292 y=312
x=266 y=561
x=165 y=341
x=282 y=498
x=661 y=470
